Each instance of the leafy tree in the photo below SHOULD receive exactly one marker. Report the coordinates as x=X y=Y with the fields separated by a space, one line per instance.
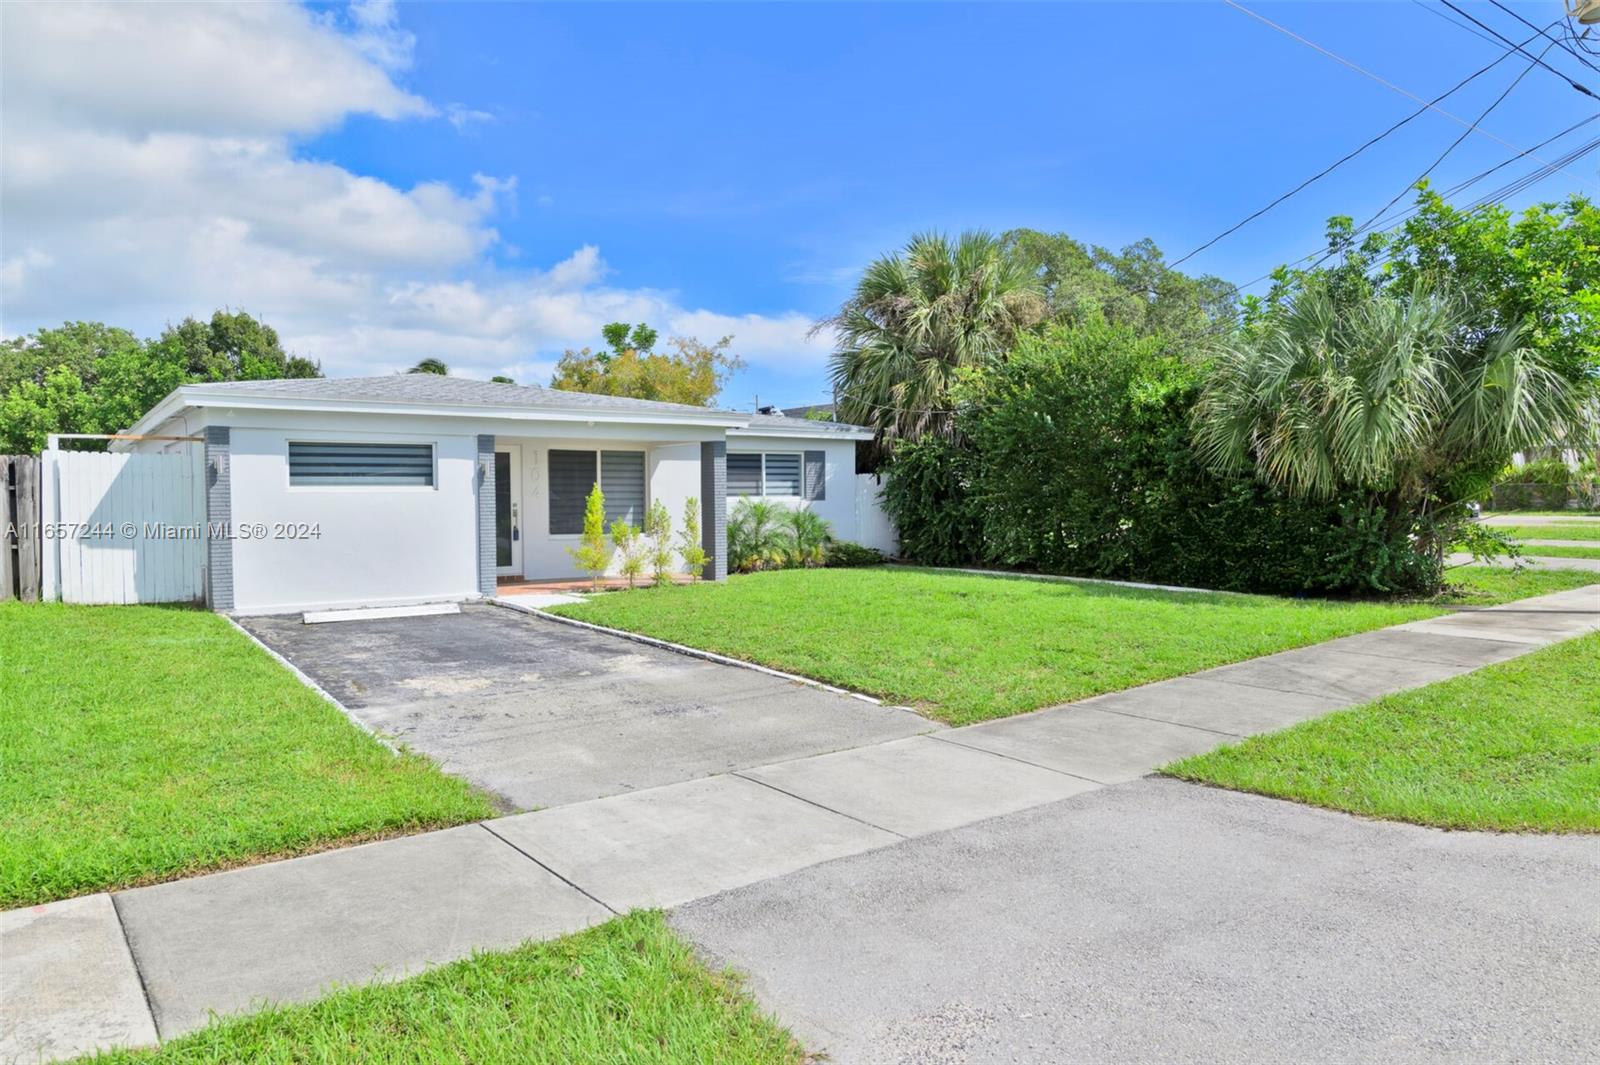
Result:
x=658 y=527
x=232 y=346
x=86 y=377
x=1133 y=287
x=690 y=549
x=919 y=317
x=591 y=554
x=501 y=379
x=631 y=550
x=1393 y=400
x=691 y=372
x=431 y=366
x=1539 y=271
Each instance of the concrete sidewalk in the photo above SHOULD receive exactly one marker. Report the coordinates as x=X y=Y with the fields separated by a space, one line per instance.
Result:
x=119 y=969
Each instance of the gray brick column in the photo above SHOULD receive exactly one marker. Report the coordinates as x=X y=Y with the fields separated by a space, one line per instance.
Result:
x=483 y=477
x=714 y=507
x=219 y=518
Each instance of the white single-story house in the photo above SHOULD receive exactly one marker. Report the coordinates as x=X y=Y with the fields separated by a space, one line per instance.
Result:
x=415 y=488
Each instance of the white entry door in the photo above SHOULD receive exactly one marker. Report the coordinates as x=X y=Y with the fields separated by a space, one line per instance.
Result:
x=508 y=525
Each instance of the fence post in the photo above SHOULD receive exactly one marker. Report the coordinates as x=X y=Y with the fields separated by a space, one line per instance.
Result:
x=19 y=522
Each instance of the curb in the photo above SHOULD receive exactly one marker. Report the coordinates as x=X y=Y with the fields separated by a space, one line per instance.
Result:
x=695 y=652
x=303 y=678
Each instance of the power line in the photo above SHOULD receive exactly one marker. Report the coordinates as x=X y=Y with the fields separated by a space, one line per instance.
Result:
x=1576 y=85
x=1427 y=105
x=1487 y=111
x=1564 y=45
x=1380 y=80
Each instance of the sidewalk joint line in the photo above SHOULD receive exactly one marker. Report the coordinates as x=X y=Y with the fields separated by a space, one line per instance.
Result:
x=812 y=802
x=1182 y=724
x=1013 y=758
x=133 y=959
x=575 y=887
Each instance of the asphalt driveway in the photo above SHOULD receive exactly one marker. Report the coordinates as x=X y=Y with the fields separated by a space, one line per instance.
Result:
x=1161 y=921
x=540 y=714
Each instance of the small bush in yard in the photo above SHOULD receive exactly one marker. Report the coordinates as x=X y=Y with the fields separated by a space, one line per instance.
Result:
x=591 y=554
x=809 y=535
x=631 y=550
x=758 y=536
x=843 y=553
x=689 y=545
x=658 y=527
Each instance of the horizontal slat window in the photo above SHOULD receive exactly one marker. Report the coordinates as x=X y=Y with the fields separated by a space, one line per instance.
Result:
x=622 y=482
x=374 y=464
x=571 y=477
x=783 y=473
x=744 y=474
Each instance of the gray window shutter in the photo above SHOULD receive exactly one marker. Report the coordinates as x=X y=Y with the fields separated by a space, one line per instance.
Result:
x=622 y=482
x=571 y=477
x=744 y=473
x=816 y=475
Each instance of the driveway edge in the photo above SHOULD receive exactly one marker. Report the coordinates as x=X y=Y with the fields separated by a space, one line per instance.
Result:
x=695 y=652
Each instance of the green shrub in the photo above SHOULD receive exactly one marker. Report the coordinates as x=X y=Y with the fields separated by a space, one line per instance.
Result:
x=1077 y=456
x=843 y=553
x=809 y=534
x=758 y=536
x=1551 y=471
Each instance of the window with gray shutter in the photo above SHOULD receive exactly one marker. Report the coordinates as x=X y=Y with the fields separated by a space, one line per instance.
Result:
x=345 y=463
x=571 y=477
x=744 y=473
x=622 y=481
x=816 y=475
x=783 y=473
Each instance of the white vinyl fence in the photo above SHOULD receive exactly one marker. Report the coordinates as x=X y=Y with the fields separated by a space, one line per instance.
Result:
x=873 y=527
x=122 y=528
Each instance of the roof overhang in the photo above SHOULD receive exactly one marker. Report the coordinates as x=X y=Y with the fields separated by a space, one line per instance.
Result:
x=803 y=432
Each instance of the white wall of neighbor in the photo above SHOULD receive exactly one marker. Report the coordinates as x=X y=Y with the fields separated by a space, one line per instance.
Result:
x=873 y=527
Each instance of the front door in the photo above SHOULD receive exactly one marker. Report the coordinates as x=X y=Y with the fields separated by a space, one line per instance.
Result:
x=508 y=511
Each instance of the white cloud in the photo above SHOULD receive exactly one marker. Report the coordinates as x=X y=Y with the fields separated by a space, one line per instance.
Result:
x=148 y=172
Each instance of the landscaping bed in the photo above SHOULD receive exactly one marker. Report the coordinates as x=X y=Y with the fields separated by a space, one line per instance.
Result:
x=626 y=991
x=143 y=743
x=967 y=648
x=1513 y=747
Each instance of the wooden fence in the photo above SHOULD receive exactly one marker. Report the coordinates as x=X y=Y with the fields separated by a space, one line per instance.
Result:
x=19 y=527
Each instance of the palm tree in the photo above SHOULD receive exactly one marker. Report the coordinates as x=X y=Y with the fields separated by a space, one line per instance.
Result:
x=758 y=535
x=916 y=318
x=809 y=534
x=1391 y=398
x=431 y=365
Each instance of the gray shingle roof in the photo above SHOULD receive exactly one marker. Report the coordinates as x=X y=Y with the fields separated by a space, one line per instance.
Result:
x=439 y=390
x=781 y=421
x=436 y=390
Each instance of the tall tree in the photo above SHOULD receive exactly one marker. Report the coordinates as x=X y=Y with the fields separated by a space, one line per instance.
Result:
x=1134 y=287
x=87 y=377
x=920 y=316
x=232 y=346
x=692 y=372
x=433 y=366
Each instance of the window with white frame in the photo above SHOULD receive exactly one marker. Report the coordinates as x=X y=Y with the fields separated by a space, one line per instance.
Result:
x=572 y=475
x=346 y=463
x=764 y=473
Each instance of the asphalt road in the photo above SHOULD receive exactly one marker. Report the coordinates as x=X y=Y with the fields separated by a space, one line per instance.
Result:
x=1161 y=921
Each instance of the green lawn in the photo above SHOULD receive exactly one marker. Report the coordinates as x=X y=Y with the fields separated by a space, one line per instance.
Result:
x=1513 y=747
x=625 y=991
x=1562 y=552
x=143 y=743
x=1565 y=530
x=965 y=648
x=1489 y=585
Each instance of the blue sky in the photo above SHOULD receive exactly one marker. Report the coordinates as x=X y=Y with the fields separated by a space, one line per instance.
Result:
x=733 y=166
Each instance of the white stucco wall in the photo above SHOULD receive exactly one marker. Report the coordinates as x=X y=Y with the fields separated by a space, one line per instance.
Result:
x=373 y=545
x=838 y=505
